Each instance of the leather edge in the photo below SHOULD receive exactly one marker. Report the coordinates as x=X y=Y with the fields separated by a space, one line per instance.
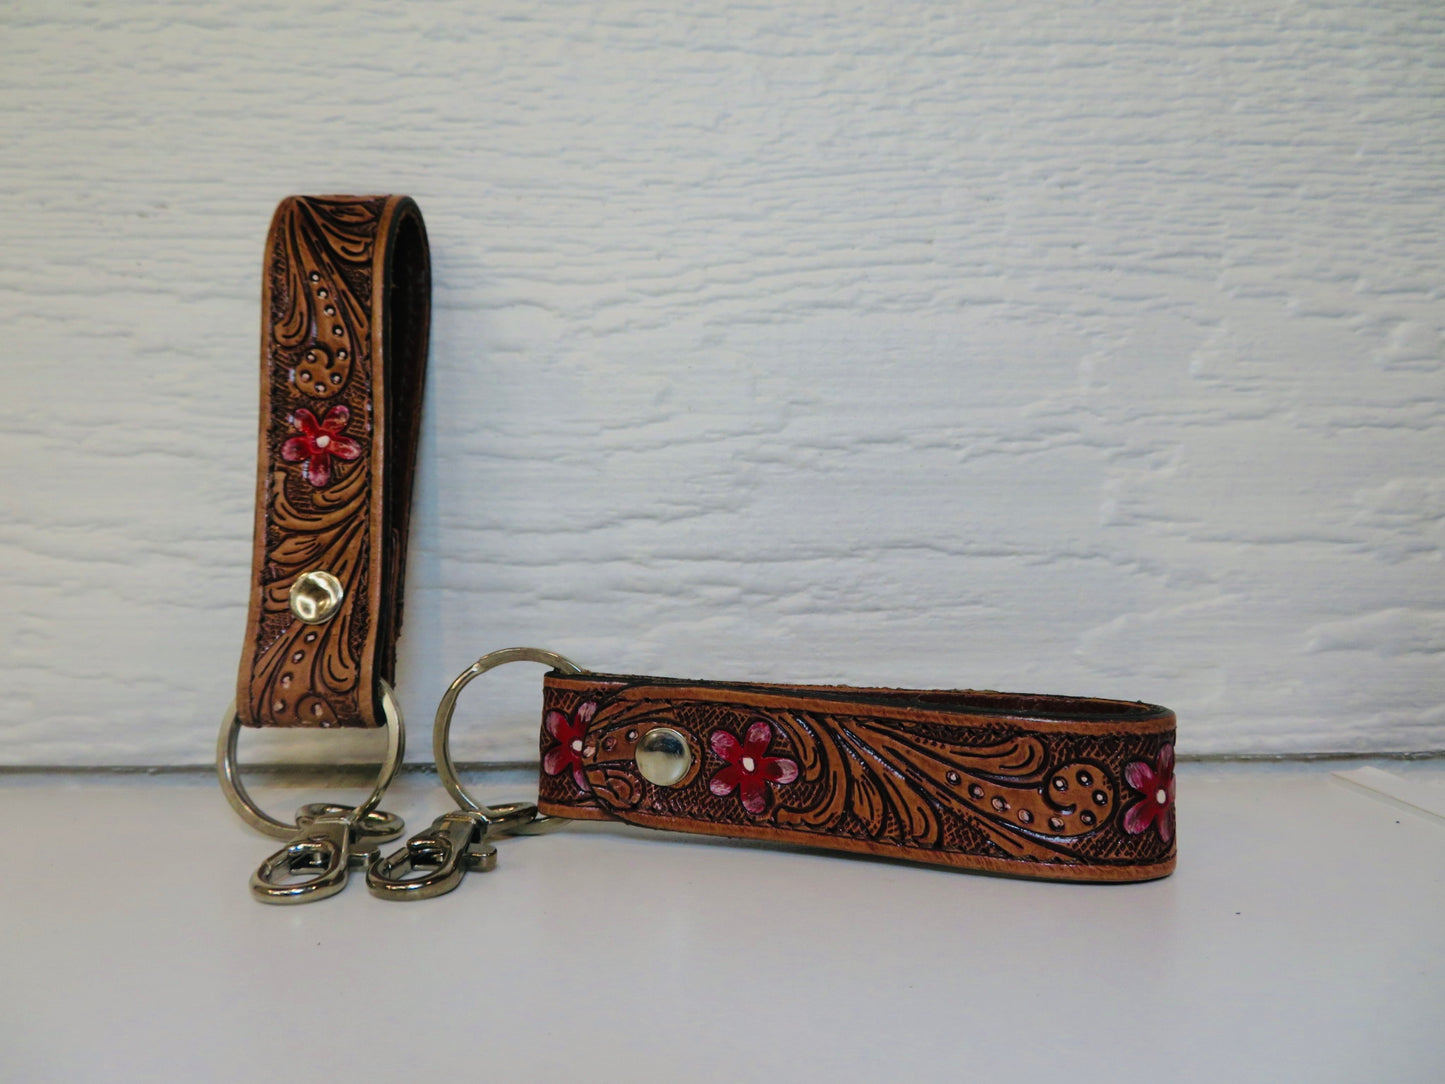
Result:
x=1033 y=871
x=1153 y=719
x=368 y=704
x=258 y=513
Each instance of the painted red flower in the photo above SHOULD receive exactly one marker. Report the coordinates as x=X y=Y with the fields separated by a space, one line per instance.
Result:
x=318 y=442
x=569 y=734
x=1156 y=783
x=747 y=768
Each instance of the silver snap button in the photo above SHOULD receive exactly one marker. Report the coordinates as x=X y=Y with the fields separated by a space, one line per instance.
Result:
x=663 y=756
x=316 y=596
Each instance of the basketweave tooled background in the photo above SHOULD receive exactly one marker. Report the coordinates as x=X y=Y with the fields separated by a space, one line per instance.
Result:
x=1092 y=351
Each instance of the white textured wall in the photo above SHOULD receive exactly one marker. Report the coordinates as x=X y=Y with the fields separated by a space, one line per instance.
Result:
x=1064 y=348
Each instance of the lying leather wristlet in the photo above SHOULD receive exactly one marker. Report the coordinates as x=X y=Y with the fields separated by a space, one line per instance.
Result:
x=1037 y=786
x=345 y=307
x=1049 y=787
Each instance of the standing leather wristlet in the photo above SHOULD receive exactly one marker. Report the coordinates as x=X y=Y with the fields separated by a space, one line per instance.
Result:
x=1049 y=787
x=346 y=298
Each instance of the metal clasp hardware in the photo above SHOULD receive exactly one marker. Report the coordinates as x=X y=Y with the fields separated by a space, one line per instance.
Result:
x=456 y=843
x=331 y=840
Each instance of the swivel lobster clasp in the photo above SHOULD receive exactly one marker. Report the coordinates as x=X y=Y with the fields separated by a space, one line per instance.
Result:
x=330 y=842
x=456 y=843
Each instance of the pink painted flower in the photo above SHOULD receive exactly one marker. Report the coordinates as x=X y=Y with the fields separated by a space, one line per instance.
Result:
x=318 y=442
x=570 y=733
x=1157 y=785
x=748 y=768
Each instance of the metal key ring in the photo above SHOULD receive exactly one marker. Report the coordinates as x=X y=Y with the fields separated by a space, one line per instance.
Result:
x=229 y=772
x=441 y=735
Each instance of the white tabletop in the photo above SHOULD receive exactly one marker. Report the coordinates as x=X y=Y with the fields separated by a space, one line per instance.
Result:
x=1302 y=938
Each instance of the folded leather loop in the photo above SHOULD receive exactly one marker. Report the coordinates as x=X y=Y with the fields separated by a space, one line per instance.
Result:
x=1054 y=787
x=346 y=298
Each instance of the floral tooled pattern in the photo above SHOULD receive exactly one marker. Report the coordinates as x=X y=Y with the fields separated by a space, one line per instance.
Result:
x=319 y=384
x=1156 y=783
x=570 y=734
x=317 y=442
x=747 y=768
x=1045 y=797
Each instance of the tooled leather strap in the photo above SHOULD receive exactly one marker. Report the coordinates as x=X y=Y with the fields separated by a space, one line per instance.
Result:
x=346 y=300
x=1053 y=787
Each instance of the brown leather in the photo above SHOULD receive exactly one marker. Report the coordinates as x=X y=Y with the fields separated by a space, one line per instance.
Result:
x=345 y=310
x=1055 y=787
